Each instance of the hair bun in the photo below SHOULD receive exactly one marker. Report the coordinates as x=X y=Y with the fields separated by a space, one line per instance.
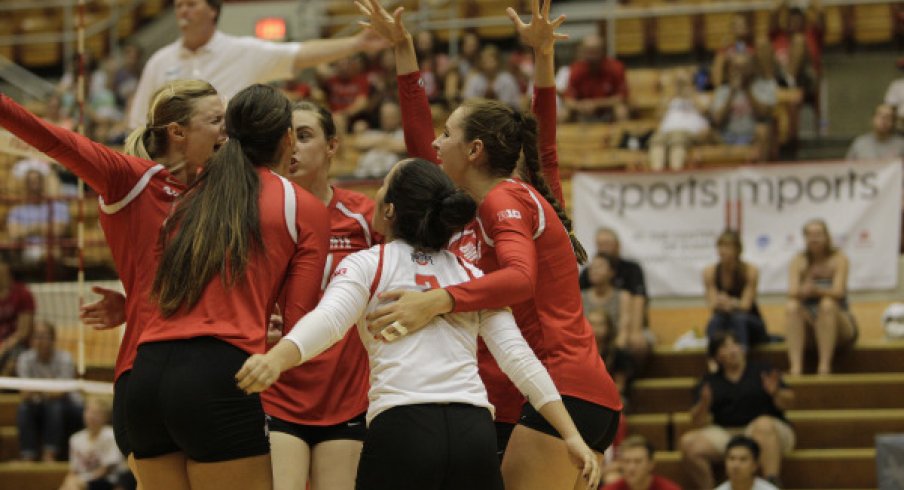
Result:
x=456 y=208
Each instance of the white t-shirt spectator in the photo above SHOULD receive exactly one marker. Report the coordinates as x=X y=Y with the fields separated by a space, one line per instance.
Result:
x=868 y=147
x=504 y=88
x=87 y=455
x=229 y=63
x=758 y=484
x=895 y=96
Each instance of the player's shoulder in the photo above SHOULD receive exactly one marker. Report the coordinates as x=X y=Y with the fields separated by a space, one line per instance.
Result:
x=353 y=200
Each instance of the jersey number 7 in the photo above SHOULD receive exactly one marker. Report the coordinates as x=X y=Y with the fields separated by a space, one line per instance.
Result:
x=427 y=282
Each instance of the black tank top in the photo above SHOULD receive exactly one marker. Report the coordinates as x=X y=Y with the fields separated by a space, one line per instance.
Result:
x=738 y=283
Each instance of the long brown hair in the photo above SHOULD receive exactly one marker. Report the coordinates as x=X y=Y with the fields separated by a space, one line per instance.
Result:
x=830 y=247
x=506 y=134
x=175 y=102
x=216 y=225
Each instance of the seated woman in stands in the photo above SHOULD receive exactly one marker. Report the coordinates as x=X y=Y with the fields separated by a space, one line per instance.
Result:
x=817 y=300
x=608 y=309
x=731 y=293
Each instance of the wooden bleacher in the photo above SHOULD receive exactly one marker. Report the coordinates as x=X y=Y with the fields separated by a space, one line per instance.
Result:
x=836 y=417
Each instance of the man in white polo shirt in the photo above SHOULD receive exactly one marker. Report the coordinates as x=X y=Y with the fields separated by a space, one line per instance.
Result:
x=228 y=62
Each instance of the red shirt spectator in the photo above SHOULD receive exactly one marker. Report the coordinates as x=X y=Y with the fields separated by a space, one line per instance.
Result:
x=17 y=308
x=343 y=92
x=605 y=81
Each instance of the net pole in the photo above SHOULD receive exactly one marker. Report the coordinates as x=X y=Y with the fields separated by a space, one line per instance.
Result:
x=80 y=222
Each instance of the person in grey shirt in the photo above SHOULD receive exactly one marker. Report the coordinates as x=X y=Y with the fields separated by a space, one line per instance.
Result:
x=881 y=142
x=41 y=417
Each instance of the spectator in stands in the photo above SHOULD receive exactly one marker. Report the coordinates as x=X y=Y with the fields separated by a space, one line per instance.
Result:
x=741 y=456
x=127 y=73
x=460 y=66
x=894 y=95
x=489 y=80
x=608 y=310
x=683 y=125
x=739 y=398
x=635 y=456
x=231 y=63
x=628 y=277
x=741 y=43
x=434 y=65
x=382 y=147
x=17 y=312
x=93 y=456
x=37 y=222
x=596 y=84
x=731 y=293
x=797 y=42
x=42 y=416
x=882 y=142
x=347 y=91
x=817 y=300
x=741 y=107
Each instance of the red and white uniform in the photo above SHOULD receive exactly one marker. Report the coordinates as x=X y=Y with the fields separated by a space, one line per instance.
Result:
x=332 y=387
x=294 y=228
x=526 y=253
x=437 y=364
x=136 y=196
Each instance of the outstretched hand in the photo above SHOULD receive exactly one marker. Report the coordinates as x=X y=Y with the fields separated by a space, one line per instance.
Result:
x=107 y=312
x=540 y=33
x=389 y=27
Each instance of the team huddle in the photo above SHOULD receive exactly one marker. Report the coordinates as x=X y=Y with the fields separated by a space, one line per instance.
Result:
x=470 y=364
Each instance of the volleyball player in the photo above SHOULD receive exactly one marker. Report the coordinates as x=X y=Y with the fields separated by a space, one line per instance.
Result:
x=523 y=240
x=430 y=421
x=137 y=191
x=316 y=411
x=238 y=235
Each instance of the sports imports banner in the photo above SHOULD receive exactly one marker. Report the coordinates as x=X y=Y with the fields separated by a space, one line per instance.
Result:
x=669 y=222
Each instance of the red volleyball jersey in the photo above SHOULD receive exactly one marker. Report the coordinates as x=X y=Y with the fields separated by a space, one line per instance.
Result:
x=526 y=254
x=294 y=229
x=136 y=195
x=332 y=387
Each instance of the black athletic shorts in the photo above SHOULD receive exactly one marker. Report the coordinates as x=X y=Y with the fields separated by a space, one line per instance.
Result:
x=120 y=431
x=503 y=434
x=597 y=424
x=430 y=447
x=183 y=397
x=354 y=429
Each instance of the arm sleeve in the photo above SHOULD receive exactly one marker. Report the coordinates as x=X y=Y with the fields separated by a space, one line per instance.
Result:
x=342 y=305
x=506 y=221
x=515 y=357
x=544 y=108
x=305 y=274
x=274 y=61
x=109 y=173
x=417 y=122
x=111 y=455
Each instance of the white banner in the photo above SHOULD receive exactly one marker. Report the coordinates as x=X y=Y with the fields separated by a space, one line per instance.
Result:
x=669 y=221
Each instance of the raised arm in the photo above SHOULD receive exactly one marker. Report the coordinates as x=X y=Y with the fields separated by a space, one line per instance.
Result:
x=540 y=35
x=99 y=166
x=417 y=121
x=319 y=51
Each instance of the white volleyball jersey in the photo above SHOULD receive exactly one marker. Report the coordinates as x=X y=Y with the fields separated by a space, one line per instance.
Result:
x=437 y=364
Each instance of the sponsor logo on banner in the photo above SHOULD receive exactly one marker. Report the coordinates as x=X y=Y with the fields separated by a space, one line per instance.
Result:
x=669 y=222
